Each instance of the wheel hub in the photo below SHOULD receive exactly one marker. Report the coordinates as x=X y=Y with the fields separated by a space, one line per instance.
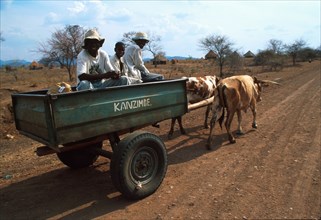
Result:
x=144 y=165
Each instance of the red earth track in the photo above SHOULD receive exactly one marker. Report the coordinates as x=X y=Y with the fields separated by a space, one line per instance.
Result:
x=270 y=173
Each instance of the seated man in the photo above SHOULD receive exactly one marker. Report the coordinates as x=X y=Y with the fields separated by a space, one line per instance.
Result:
x=94 y=69
x=134 y=60
x=117 y=61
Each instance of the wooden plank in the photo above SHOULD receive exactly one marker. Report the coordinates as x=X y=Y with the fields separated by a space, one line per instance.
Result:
x=200 y=104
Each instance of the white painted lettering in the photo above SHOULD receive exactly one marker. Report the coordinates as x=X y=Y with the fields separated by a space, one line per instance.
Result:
x=133 y=104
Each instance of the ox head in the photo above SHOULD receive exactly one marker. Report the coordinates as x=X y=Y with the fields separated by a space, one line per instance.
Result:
x=259 y=84
x=201 y=87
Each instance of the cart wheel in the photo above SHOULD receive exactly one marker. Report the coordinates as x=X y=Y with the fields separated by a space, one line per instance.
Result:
x=79 y=158
x=139 y=164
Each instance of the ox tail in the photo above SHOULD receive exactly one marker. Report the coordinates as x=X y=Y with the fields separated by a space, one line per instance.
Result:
x=222 y=96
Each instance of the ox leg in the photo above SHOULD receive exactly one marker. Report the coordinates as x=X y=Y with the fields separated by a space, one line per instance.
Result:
x=179 y=119
x=210 y=137
x=171 y=131
x=239 y=121
x=228 y=122
x=215 y=111
x=254 y=125
x=208 y=109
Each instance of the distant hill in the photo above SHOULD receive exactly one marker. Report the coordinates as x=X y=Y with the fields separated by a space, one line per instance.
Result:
x=18 y=63
x=14 y=63
x=172 y=57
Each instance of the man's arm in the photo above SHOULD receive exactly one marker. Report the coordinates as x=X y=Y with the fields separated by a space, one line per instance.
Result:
x=93 y=77
x=138 y=60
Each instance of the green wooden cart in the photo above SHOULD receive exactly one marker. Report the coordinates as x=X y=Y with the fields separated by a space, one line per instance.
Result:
x=74 y=126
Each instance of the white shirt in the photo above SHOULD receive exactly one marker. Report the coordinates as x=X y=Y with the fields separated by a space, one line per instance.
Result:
x=134 y=60
x=115 y=62
x=93 y=65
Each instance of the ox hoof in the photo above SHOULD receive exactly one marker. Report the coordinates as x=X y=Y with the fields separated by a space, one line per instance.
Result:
x=254 y=125
x=183 y=131
x=233 y=141
x=208 y=147
x=239 y=133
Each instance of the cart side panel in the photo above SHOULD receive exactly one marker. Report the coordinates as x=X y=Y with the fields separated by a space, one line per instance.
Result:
x=99 y=112
x=33 y=116
x=64 y=118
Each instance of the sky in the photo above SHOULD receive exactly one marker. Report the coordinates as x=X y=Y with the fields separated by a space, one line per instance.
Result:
x=249 y=25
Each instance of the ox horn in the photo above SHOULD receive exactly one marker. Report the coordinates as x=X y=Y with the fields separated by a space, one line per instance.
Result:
x=269 y=81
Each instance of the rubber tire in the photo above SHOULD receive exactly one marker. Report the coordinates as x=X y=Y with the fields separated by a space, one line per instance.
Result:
x=144 y=149
x=80 y=158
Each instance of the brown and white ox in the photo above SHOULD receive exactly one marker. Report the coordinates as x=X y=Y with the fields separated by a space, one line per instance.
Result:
x=235 y=94
x=198 y=89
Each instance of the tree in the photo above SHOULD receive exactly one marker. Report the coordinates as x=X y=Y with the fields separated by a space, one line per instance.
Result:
x=269 y=59
x=127 y=38
x=307 y=54
x=263 y=57
x=64 y=46
x=235 y=61
x=219 y=45
x=153 y=46
x=294 y=49
x=276 y=46
x=318 y=51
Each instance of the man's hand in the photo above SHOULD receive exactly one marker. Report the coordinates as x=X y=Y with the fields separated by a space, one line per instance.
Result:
x=114 y=75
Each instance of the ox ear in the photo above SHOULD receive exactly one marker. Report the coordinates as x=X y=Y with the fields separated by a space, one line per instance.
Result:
x=217 y=80
x=255 y=79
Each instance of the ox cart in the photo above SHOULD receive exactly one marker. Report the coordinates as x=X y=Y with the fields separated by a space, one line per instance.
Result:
x=74 y=125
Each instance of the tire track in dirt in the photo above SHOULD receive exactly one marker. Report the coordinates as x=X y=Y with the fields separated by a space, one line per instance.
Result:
x=253 y=166
x=287 y=151
x=271 y=173
x=281 y=135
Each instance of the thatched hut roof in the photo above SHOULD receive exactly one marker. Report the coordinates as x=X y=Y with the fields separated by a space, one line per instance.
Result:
x=249 y=54
x=211 y=55
x=159 y=59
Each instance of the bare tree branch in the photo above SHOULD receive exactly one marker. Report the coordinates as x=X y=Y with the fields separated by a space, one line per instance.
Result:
x=64 y=46
x=219 y=45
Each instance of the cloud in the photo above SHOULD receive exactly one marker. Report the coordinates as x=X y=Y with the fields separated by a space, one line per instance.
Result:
x=77 y=8
x=51 y=18
x=120 y=15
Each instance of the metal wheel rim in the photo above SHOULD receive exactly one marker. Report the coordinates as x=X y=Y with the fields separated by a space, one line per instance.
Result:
x=144 y=165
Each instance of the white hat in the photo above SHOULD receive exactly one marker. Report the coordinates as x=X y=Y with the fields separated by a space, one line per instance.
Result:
x=141 y=36
x=93 y=34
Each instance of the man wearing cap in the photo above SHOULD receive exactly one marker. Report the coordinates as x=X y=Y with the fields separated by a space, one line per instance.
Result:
x=134 y=60
x=94 y=69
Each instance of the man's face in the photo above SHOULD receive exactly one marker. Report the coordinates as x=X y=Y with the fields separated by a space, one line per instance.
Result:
x=92 y=46
x=120 y=49
x=141 y=43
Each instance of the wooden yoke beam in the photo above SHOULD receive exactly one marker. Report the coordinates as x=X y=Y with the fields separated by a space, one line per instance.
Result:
x=200 y=104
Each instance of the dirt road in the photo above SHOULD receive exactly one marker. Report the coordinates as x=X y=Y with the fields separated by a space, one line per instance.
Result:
x=270 y=173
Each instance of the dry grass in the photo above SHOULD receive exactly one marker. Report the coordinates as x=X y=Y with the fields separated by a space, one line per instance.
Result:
x=25 y=80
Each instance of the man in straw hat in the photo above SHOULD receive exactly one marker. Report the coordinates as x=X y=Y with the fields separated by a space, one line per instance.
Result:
x=94 y=69
x=134 y=60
